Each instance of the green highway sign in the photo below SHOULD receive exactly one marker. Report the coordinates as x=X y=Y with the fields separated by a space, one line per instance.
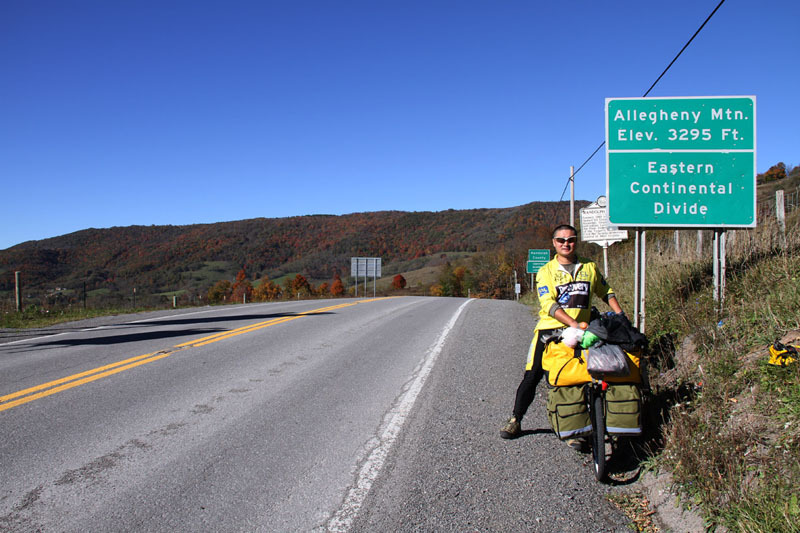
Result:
x=681 y=162
x=539 y=255
x=536 y=260
x=534 y=266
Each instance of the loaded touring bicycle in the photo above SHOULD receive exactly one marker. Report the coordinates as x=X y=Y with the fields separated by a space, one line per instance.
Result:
x=596 y=391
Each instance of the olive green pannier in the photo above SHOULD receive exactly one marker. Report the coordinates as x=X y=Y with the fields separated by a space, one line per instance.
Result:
x=567 y=411
x=623 y=409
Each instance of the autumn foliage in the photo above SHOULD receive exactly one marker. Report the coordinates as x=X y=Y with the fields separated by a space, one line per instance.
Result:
x=184 y=259
x=242 y=289
x=220 y=292
x=337 y=287
x=775 y=173
x=267 y=291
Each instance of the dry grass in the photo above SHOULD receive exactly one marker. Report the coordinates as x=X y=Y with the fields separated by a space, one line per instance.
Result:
x=731 y=423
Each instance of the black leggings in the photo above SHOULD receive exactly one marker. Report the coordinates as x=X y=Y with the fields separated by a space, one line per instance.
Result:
x=526 y=391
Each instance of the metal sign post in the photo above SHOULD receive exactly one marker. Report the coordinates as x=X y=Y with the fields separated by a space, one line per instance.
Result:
x=366 y=266
x=639 y=277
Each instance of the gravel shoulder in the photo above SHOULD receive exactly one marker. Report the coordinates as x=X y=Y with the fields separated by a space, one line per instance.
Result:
x=451 y=471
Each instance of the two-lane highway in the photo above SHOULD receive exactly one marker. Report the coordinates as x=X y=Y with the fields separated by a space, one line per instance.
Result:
x=289 y=416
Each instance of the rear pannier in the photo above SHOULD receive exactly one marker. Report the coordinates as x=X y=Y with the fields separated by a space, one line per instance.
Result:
x=623 y=409
x=566 y=409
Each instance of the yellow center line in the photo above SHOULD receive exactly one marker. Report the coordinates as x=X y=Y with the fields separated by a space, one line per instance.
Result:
x=70 y=378
x=89 y=379
x=253 y=327
x=52 y=387
x=237 y=332
x=218 y=336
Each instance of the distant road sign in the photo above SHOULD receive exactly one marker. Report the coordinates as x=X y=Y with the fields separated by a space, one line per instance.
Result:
x=365 y=266
x=536 y=260
x=681 y=162
x=539 y=255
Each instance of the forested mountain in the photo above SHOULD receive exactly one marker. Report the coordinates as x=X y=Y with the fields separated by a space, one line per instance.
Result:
x=159 y=259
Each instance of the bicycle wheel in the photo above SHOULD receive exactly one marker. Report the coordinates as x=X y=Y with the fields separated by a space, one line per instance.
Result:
x=598 y=437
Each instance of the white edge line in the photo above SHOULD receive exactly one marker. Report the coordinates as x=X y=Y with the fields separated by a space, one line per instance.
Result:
x=343 y=519
x=34 y=338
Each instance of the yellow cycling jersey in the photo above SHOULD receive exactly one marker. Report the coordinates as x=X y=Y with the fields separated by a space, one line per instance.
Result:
x=573 y=294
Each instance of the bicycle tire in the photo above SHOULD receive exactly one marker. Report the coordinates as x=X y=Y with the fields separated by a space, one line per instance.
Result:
x=598 y=437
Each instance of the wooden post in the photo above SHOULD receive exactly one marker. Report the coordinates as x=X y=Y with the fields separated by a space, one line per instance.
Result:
x=17 y=291
x=699 y=243
x=780 y=213
x=677 y=245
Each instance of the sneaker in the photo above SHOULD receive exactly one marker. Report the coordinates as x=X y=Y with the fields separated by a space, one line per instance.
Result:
x=511 y=430
x=579 y=445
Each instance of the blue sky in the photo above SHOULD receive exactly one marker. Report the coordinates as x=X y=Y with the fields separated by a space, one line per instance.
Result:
x=115 y=113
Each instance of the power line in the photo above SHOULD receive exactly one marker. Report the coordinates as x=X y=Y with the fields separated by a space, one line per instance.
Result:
x=646 y=93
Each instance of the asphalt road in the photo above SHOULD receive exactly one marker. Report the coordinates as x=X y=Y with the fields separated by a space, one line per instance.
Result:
x=359 y=415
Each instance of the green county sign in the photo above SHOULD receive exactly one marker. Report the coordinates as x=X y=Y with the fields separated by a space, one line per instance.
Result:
x=681 y=162
x=536 y=260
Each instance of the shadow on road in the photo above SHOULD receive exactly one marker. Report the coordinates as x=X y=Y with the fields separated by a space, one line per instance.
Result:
x=128 y=337
x=215 y=319
x=100 y=336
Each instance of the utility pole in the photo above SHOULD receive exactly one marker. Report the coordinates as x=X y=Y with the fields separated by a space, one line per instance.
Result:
x=572 y=196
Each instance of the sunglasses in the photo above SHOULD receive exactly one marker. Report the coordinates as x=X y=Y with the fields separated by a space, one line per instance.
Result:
x=562 y=240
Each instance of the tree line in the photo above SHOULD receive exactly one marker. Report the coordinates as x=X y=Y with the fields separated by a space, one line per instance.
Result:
x=242 y=290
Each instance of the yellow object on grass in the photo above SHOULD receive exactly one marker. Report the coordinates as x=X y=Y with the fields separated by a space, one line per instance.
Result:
x=782 y=354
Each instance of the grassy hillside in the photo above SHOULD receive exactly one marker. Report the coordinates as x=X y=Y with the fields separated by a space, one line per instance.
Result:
x=728 y=423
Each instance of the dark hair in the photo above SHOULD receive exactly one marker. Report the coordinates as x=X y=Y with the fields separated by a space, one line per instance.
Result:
x=564 y=226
